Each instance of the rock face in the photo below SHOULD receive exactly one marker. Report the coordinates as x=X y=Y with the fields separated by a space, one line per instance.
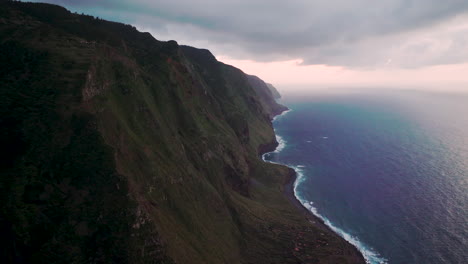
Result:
x=266 y=93
x=118 y=148
x=273 y=90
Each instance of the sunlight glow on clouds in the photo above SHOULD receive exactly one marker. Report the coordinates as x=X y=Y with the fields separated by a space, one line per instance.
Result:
x=293 y=75
x=306 y=42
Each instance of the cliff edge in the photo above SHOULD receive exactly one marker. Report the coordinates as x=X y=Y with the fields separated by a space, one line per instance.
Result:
x=119 y=148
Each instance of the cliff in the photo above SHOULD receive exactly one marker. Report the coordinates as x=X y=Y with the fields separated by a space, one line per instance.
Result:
x=274 y=91
x=119 y=148
x=264 y=91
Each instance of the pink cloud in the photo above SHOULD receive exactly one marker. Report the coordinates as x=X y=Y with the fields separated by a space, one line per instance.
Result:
x=290 y=75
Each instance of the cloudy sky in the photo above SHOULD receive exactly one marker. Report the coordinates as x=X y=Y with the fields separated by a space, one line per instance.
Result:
x=297 y=44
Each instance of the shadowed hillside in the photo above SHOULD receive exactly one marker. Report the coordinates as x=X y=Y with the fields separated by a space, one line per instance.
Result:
x=118 y=148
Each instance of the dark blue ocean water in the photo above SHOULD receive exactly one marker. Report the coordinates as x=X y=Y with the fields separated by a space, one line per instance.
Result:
x=387 y=170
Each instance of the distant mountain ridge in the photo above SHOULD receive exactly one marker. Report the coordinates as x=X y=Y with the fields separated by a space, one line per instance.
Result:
x=274 y=91
x=119 y=148
x=269 y=93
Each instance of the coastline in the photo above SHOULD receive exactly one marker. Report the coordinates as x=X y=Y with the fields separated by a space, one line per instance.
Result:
x=289 y=192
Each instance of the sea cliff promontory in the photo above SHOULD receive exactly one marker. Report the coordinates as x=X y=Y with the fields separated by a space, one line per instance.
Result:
x=119 y=148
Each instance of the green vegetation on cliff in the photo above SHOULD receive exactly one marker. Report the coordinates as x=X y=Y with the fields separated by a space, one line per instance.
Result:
x=118 y=148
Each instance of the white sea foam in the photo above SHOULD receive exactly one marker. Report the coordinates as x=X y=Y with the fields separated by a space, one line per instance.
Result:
x=370 y=255
x=279 y=139
x=281 y=144
x=282 y=114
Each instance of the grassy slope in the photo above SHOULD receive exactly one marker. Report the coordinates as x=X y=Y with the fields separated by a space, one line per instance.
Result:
x=122 y=148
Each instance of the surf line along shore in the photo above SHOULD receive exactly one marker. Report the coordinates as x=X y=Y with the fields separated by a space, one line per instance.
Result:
x=289 y=186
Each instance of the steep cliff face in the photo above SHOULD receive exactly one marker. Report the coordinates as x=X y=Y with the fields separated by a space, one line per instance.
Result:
x=274 y=91
x=124 y=149
x=264 y=91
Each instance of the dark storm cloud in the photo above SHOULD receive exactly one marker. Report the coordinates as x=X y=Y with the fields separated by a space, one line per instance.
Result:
x=346 y=32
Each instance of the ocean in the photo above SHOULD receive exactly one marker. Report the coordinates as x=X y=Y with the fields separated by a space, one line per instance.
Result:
x=387 y=170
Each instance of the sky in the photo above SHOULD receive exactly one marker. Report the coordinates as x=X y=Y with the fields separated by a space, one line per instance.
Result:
x=308 y=44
